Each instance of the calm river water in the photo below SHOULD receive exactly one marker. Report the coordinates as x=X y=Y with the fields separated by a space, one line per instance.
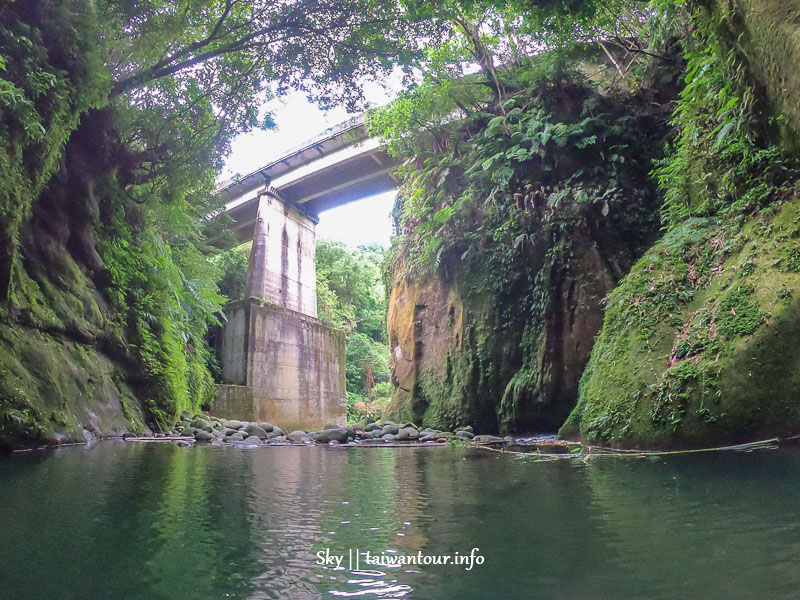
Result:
x=127 y=520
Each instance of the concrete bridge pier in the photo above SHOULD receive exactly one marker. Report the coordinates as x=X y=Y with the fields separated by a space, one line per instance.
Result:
x=280 y=363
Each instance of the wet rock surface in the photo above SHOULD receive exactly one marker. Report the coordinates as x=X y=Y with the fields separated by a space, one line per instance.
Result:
x=205 y=429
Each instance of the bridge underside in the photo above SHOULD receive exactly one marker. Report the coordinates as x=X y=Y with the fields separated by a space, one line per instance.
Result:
x=320 y=176
x=279 y=362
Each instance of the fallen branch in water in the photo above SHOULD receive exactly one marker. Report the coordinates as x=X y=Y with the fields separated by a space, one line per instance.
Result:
x=601 y=451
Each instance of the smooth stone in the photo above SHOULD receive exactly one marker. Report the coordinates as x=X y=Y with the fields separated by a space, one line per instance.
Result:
x=268 y=427
x=296 y=436
x=203 y=436
x=218 y=434
x=390 y=423
x=236 y=437
x=388 y=437
x=208 y=429
x=200 y=423
x=229 y=431
x=256 y=431
x=338 y=435
x=331 y=426
x=277 y=430
x=464 y=434
x=491 y=439
x=357 y=427
x=333 y=443
x=186 y=415
x=351 y=434
x=372 y=427
x=407 y=433
x=252 y=439
x=189 y=431
x=390 y=429
x=234 y=424
x=467 y=428
x=183 y=444
x=376 y=434
x=278 y=439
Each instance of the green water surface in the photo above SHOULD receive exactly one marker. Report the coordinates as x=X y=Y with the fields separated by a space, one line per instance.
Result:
x=152 y=521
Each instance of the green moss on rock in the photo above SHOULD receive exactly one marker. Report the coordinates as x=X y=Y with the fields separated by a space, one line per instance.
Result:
x=697 y=343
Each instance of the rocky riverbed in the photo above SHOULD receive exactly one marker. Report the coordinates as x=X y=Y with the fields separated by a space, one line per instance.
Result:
x=202 y=428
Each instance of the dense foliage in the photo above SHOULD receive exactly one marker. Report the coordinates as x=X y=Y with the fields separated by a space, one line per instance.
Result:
x=702 y=317
x=515 y=177
x=351 y=297
x=115 y=117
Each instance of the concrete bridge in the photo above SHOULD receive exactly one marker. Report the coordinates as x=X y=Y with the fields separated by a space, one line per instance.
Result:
x=281 y=363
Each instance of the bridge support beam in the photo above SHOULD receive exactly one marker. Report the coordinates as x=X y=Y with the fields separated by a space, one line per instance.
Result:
x=280 y=363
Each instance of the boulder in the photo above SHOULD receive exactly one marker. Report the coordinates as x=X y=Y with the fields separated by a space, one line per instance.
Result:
x=407 y=434
x=372 y=427
x=236 y=437
x=186 y=415
x=464 y=434
x=228 y=431
x=200 y=423
x=208 y=429
x=268 y=427
x=277 y=430
x=232 y=424
x=203 y=436
x=390 y=428
x=296 y=436
x=388 y=437
x=338 y=435
x=252 y=439
x=255 y=430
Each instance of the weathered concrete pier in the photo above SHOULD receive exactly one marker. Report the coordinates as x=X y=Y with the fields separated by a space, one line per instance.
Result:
x=279 y=362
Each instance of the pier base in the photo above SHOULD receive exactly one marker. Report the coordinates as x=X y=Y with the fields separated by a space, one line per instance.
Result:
x=280 y=366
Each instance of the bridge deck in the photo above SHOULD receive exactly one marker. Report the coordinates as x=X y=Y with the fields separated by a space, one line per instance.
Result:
x=342 y=165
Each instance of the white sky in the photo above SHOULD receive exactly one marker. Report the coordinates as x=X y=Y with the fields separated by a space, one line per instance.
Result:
x=358 y=223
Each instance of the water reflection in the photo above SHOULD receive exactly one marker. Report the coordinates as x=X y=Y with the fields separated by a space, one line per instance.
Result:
x=136 y=521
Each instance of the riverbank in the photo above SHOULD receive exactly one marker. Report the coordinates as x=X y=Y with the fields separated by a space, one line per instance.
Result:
x=206 y=429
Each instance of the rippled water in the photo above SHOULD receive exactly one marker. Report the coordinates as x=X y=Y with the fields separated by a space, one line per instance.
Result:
x=126 y=520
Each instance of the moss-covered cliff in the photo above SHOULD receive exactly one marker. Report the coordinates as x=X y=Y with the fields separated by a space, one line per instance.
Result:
x=699 y=341
x=513 y=234
x=104 y=294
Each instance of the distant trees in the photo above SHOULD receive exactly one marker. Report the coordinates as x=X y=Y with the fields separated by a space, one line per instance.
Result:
x=351 y=296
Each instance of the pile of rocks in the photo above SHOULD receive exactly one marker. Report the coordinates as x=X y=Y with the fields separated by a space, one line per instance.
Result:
x=208 y=429
x=204 y=428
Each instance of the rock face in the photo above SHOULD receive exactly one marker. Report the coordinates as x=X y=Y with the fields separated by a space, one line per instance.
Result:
x=699 y=342
x=454 y=362
x=496 y=329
